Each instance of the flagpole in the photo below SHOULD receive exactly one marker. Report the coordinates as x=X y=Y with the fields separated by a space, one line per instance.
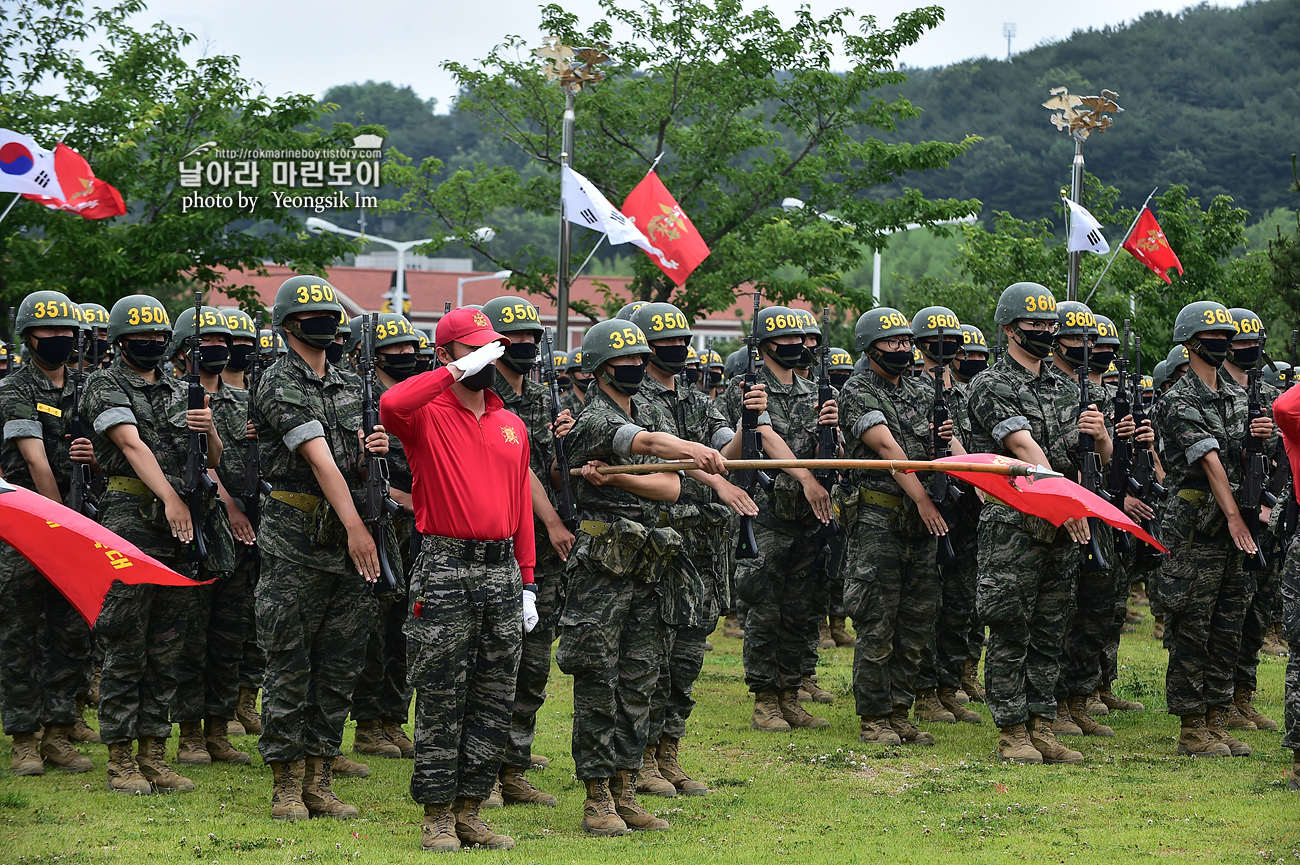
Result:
x=1111 y=261
x=583 y=266
x=1076 y=195
x=13 y=201
x=562 y=281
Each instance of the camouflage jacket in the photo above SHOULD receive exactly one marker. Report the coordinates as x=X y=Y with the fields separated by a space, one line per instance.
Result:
x=532 y=405
x=692 y=417
x=869 y=399
x=1192 y=420
x=570 y=400
x=230 y=414
x=605 y=433
x=32 y=407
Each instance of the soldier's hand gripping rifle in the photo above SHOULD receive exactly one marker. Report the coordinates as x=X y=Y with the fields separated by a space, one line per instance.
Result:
x=1254 y=484
x=828 y=437
x=1142 y=484
x=1090 y=469
x=80 y=495
x=751 y=442
x=942 y=490
x=1121 y=457
x=568 y=510
x=254 y=485
x=380 y=508
x=196 y=485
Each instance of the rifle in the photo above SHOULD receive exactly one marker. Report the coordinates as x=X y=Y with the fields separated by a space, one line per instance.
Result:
x=997 y=349
x=380 y=508
x=751 y=442
x=254 y=485
x=828 y=438
x=1089 y=469
x=566 y=509
x=1254 y=492
x=195 y=483
x=1121 y=458
x=1142 y=480
x=941 y=487
x=80 y=495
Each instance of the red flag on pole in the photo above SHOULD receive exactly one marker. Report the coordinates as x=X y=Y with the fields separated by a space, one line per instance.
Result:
x=660 y=218
x=1149 y=245
x=85 y=194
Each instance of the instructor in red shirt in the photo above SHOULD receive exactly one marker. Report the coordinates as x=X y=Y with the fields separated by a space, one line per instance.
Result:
x=471 y=592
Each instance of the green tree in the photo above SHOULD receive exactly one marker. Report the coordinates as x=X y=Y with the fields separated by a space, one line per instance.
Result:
x=745 y=113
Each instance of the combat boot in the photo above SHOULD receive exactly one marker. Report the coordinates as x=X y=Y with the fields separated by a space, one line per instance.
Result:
x=623 y=788
x=928 y=708
x=1118 y=704
x=1132 y=616
x=1079 y=714
x=218 y=741
x=875 y=730
x=192 y=750
x=1293 y=780
x=1273 y=642
x=495 y=798
x=1041 y=737
x=767 y=714
x=1238 y=721
x=816 y=693
x=731 y=627
x=371 y=741
x=1063 y=724
x=474 y=832
x=234 y=728
x=948 y=699
x=824 y=635
x=970 y=680
x=1194 y=739
x=1094 y=706
x=317 y=794
x=1216 y=721
x=396 y=733
x=56 y=747
x=648 y=779
x=345 y=767
x=672 y=770
x=81 y=731
x=26 y=759
x=438 y=831
x=124 y=773
x=151 y=757
x=1014 y=745
x=907 y=732
x=839 y=634
x=246 y=712
x=1138 y=597
x=598 y=814
x=537 y=761
x=795 y=715
x=1244 y=701
x=517 y=789
x=1158 y=629
x=92 y=695
x=286 y=792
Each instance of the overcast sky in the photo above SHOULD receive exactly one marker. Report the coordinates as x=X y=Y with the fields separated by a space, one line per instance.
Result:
x=307 y=48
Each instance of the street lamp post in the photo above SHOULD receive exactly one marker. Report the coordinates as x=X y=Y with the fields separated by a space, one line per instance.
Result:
x=399 y=291
x=460 y=283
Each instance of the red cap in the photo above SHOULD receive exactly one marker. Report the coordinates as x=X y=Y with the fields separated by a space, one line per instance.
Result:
x=467 y=325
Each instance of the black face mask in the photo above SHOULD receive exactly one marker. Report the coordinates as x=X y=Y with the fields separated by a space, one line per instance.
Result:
x=399 y=366
x=1100 y=361
x=95 y=350
x=520 y=356
x=715 y=378
x=806 y=359
x=839 y=378
x=1212 y=349
x=786 y=355
x=144 y=355
x=334 y=352
x=241 y=357
x=1073 y=355
x=213 y=358
x=932 y=347
x=562 y=382
x=625 y=379
x=52 y=352
x=893 y=362
x=1038 y=343
x=481 y=380
x=971 y=367
x=1246 y=355
x=670 y=357
x=317 y=331
x=581 y=384
x=692 y=376
x=423 y=364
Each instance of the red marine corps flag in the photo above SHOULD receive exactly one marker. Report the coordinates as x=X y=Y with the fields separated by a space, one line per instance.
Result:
x=661 y=219
x=83 y=193
x=1150 y=246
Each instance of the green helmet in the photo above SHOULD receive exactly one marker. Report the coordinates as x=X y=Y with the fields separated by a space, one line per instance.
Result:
x=810 y=325
x=1074 y=319
x=270 y=342
x=1247 y=323
x=509 y=314
x=426 y=346
x=927 y=322
x=345 y=326
x=95 y=315
x=735 y=363
x=392 y=329
x=607 y=340
x=1202 y=316
x=560 y=363
x=1177 y=357
x=304 y=294
x=1158 y=374
x=972 y=340
x=861 y=364
x=1106 y=332
x=839 y=359
x=137 y=313
x=692 y=356
x=879 y=323
x=661 y=321
x=710 y=359
x=628 y=309
x=774 y=321
x=212 y=322
x=1025 y=300
x=240 y=323
x=1279 y=373
x=47 y=309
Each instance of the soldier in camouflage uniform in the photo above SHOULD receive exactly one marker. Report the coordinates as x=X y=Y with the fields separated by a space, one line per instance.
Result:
x=1026 y=409
x=141 y=425
x=891 y=580
x=207 y=671
x=1204 y=590
x=314 y=613
x=611 y=630
x=44 y=642
x=778 y=585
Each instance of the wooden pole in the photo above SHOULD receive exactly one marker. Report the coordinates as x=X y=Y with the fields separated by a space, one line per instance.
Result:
x=1012 y=469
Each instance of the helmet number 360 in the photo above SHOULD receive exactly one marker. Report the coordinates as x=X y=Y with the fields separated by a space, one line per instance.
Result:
x=1041 y=303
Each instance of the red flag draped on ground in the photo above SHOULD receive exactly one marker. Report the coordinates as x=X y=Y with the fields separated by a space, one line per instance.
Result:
x=77 y=555
x=661 y=219
x=1149 y=245
x=84 y=193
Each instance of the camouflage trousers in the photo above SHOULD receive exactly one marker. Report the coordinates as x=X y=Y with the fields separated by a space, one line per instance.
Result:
x=958 y=634
x=1290 y=592
x=612 y=643
x=44 y=649
x=1125 y=565
x=828 y=598
x=1261 y=613
x=1089 y=623
x=891 y=589
x=682 y=661
x=382 y=691
x=252 y=660
x=777 y=590
x=534 y=672
x=207 y=672
x=142 y=631
x=1205 y=594
x=313 y=626
x=463 y=661
x=1022 y=595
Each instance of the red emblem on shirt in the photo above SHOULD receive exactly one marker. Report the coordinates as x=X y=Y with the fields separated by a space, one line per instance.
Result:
x=508 y=433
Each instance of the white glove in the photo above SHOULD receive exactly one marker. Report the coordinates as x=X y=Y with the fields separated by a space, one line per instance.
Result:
x=479 y=358
x=530 y=611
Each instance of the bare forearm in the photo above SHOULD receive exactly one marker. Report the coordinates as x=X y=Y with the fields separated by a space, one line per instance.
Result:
x=147 y=469
x=658 y=487
x=33 y=451
x=1219 y=485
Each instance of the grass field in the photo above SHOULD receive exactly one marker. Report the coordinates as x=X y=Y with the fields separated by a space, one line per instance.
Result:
x=806 y=797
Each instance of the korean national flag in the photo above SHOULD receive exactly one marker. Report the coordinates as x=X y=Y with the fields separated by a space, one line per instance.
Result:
x=26 y=167
x=1085 y=231
x=585 y=205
